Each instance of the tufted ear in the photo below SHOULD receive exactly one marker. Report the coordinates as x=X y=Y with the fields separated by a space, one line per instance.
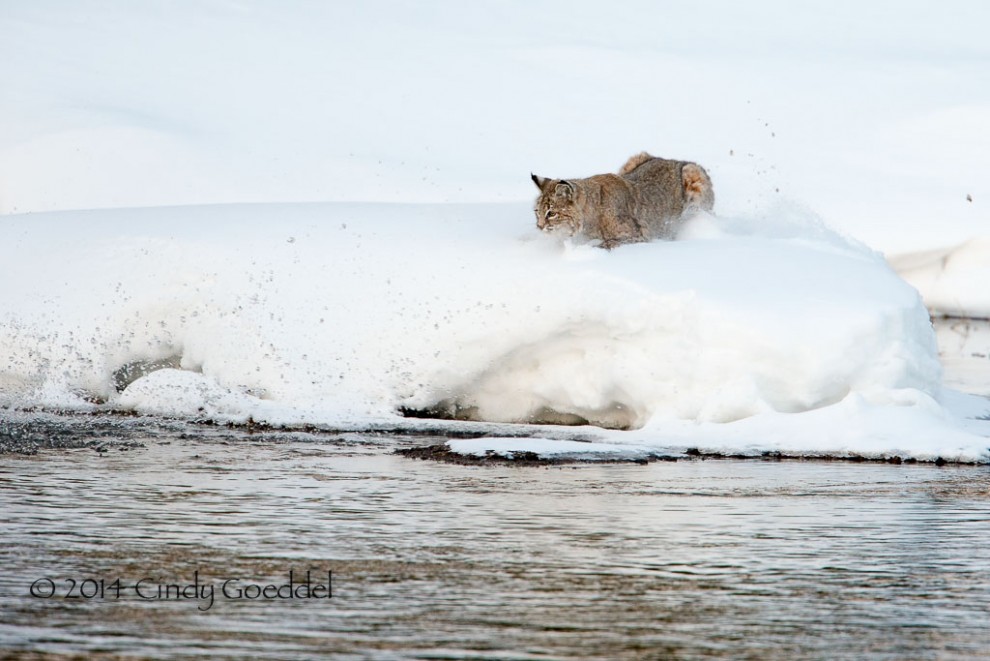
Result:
x=540 y=182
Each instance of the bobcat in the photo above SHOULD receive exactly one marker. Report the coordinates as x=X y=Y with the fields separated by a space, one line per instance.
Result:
x=645 y=201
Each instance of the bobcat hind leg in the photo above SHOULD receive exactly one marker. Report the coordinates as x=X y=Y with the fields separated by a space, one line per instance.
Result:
x=697 y=187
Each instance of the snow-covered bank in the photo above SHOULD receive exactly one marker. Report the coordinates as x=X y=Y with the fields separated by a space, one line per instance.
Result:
x=771 y=333
x=761 y=330
x=872 y=118
x=964 y=350
x=955 y=281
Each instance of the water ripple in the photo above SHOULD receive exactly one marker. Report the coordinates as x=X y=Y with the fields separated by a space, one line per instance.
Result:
x=687 y=559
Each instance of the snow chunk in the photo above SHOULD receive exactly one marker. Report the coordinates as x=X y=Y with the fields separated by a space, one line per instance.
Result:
x=178 y=393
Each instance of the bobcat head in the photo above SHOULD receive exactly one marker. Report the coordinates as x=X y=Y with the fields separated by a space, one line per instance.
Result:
x=558 y=205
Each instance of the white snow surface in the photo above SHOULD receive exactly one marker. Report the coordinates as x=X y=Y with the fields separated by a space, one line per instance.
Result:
x=875 y=115
x=954 y=281
x=769 y=332
x=762 y=329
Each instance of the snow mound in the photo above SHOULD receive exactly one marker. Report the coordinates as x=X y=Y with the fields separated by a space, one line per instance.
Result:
x=355 y=314
x=178 y=393
x=954 y=282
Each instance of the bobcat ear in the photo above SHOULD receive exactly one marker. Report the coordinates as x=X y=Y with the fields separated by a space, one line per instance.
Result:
x=564 y=189
x=540 y=182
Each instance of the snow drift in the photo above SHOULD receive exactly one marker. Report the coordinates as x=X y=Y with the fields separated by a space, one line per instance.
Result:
x=760 y=330
x=954 y=281
x=351 y=314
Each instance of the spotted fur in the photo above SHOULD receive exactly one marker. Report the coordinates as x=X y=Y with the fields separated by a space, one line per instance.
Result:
x=646 y=200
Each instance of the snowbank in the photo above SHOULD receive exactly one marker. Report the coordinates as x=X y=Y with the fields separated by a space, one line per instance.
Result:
x=955 y=281
x=748 y=332
x=759 y=330
x=964 y=348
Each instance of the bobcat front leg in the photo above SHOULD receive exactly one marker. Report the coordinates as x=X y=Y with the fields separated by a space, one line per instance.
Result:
x=617 y=230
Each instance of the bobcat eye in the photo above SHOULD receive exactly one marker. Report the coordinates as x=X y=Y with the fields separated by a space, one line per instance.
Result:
x=551 y=214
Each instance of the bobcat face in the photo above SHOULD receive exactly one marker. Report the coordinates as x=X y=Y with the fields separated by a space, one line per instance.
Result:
x=557 y=206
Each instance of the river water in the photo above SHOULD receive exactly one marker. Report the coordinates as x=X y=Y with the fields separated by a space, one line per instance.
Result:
x=687 y=559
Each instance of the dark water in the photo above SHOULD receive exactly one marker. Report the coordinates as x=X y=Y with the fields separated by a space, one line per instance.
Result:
x=691 y=559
